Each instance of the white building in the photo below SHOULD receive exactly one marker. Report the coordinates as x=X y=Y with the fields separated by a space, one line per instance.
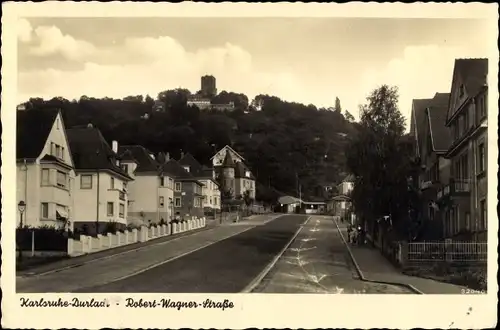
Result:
x=151 y=194
x=45 y=173
x=101 y=185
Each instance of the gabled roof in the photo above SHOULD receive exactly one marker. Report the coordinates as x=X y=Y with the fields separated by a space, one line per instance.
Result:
x=90 y=151
x=240 y=171
x=348 y=178
x=419 y=116
x=145 y=163
x=173 y=168
x=194 y=166
x=228 y=147
x=440 y=134
x=418 y=120
x=33 y=129
x=473 y=73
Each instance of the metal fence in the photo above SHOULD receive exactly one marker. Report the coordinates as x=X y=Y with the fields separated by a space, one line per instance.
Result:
x=447 y=251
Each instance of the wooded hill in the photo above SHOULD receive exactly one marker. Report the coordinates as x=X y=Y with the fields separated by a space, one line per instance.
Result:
x=284 y=143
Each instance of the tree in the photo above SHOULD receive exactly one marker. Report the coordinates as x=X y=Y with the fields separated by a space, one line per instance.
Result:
x=338 y=107
x=276 y=142
x=379 y=157
x=349 y=117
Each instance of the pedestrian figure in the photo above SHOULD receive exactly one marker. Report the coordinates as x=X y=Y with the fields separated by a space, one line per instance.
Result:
x=349 y=233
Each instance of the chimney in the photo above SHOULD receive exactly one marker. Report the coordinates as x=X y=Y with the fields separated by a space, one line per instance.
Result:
x=114 y=146
x=167 y=157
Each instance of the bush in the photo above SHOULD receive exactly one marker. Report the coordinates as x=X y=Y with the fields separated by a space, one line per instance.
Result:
x=46 y=238
x=111 y=227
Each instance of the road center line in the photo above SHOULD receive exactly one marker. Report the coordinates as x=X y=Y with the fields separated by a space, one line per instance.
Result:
x=250 y=287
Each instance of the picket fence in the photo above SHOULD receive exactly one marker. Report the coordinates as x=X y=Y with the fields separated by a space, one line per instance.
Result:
x=89 y=244
x=451 y=251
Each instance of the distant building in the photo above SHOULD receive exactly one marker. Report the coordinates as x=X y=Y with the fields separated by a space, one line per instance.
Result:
x=208 y=86
x=199 y=101
x=223 y=107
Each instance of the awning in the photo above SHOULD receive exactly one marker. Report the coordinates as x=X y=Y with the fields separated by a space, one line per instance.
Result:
x=62 y=212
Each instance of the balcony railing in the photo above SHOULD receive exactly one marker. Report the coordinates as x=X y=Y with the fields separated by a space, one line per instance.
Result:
x=455 y=186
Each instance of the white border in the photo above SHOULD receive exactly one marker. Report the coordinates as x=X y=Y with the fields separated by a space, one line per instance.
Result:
x=251 y=310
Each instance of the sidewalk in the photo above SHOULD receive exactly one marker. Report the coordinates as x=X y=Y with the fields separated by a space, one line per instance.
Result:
x=317 y=262
x=80 y=260
x=375 y=267
x=102 y=255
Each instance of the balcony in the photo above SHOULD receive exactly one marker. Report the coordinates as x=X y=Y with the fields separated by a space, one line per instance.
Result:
x=456 y=187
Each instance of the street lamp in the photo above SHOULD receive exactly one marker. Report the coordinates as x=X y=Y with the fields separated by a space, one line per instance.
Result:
x=21 y=207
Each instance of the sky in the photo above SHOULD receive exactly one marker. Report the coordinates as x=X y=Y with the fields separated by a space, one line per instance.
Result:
x=306 y=60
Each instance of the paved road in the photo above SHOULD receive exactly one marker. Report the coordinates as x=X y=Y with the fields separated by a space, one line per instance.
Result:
x=225 y=267
x=226 y=259
x=318 y=262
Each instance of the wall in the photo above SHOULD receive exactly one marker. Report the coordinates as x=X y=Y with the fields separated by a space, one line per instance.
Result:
x=29 y=193
x=212 y=193
x=144 y=197
x=86 y=205
x=242 y=185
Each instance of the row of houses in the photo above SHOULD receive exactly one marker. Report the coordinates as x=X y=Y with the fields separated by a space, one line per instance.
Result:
x=73 y=178
x=451 y=144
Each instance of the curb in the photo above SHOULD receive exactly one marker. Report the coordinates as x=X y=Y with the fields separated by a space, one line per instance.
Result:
x=362 y=276
x=29 y=275
x=257 y=280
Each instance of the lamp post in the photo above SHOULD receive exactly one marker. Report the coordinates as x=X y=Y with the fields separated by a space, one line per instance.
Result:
x=21 y=207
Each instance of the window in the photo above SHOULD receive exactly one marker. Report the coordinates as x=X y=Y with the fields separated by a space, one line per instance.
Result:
x=170 y=202
x=170 y=183
x=112 y=183
x=124 y=167
x=482 y=158
x=162 y=201
x=177 y=202
x=45 y=210
x=484 y=216
x=215 y=201
x=45 y=177
x=461 y=91
x=210 y=200
x=467 y=221
x=482 y=107
x=162 y=182
x=58 y=151
x=52 y=148
x=121 y=211
x=111 y=208
x=61 y=179
x=86 y=182
x=62 y=153
x=178 y=186
x=186 y=168
x=57 y=123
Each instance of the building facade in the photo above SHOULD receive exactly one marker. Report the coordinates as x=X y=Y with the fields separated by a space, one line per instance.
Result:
x=465 y=195
x=45 y=169
x=151 y=194
x=188 y=195
x=100 y=193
